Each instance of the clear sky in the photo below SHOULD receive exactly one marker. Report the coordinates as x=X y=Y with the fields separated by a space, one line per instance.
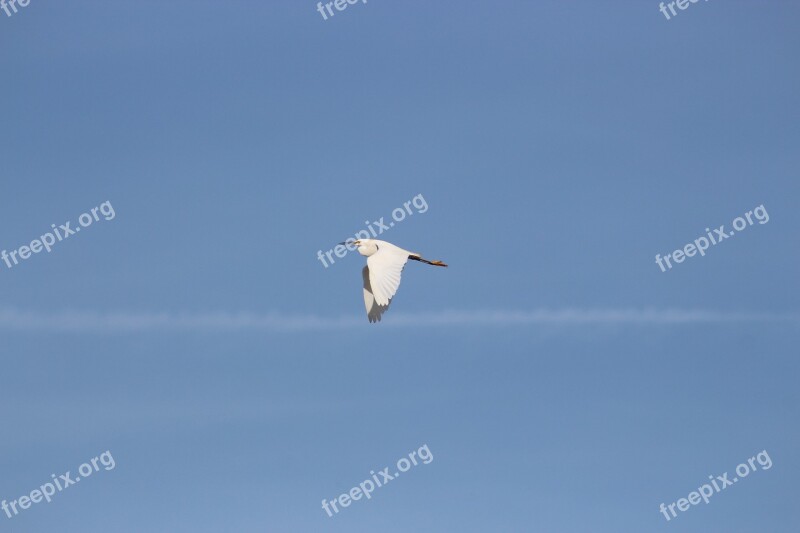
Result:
x=561 y=381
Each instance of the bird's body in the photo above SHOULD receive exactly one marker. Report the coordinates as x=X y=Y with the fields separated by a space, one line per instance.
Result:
x=381 y=276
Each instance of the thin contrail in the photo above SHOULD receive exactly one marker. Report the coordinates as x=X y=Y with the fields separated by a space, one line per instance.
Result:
x=81 y=321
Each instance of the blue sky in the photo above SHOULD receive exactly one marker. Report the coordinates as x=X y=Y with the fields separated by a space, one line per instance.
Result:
x=561 y=381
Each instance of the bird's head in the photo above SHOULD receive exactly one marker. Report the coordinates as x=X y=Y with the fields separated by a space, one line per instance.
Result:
x=365 y=247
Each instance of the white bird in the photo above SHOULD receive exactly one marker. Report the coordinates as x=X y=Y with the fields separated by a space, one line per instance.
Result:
x=381 y=276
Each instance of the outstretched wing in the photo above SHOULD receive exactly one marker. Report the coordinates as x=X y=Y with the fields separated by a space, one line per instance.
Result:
x=374 y=311
x=385 y=267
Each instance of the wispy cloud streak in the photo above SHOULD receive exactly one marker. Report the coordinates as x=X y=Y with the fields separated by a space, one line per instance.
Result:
x=78 y=321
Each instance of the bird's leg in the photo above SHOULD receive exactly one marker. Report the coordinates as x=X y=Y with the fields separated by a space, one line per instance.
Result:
x=421 y=260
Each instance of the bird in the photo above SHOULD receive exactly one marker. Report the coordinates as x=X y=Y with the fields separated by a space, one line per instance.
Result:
x=381 y=276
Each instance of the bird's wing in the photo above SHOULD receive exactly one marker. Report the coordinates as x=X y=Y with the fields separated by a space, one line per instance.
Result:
x=385 y=267
x=374 y=311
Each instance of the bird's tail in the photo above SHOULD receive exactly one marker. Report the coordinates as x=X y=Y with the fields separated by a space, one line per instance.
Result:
x=417 y=257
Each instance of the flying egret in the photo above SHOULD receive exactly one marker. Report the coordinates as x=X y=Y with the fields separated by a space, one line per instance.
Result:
x=381 y=276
